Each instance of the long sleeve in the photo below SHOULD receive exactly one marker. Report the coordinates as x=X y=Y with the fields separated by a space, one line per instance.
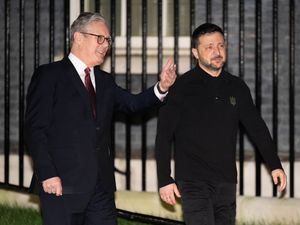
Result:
x=257 y=129
x=37 y=120
x=131 y=103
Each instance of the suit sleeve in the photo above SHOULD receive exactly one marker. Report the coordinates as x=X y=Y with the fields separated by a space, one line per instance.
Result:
x=131 y=103
x=257 y=129
x=40 y=100
x=168 y=119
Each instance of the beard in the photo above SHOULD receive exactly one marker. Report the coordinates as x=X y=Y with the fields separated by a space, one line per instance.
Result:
x=210 y=65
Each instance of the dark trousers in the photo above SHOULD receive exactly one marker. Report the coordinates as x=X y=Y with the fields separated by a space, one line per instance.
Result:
x=208 y=203
x=96 y=208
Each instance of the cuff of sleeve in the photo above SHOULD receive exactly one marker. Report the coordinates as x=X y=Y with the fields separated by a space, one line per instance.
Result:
x=159 y=94
x=165 y=182
x=45 y=173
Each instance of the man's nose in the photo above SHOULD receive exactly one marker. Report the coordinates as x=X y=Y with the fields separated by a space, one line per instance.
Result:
x=217 y=50
x=104 y=44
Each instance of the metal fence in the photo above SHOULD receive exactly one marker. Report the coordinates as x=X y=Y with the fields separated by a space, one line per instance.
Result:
x=22 y=53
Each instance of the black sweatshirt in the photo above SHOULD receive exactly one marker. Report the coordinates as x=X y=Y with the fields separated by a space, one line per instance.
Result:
x=201 y=115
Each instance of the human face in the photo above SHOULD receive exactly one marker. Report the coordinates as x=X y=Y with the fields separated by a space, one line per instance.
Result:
x=211 y=53
x=89 y=50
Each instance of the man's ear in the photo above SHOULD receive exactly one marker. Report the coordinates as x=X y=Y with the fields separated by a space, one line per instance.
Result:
x=195 y=53
x=77 y=37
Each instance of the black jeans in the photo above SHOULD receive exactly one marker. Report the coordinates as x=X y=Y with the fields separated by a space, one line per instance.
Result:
x=207 y=203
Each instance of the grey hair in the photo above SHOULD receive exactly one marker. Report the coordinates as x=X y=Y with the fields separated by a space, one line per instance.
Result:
x=82 y=21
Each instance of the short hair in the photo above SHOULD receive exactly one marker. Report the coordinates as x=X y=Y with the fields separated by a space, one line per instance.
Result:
x=82 y=21
x=204 y=29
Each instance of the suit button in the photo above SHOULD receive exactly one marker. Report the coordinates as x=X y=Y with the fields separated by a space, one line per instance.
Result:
x=98 y=148
x=216 y=98
x=97 y=128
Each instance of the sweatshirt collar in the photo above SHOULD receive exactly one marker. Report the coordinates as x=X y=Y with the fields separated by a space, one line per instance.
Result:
x=205 y=77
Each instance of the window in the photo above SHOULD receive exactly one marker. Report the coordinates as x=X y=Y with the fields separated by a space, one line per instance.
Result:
x=136 y=16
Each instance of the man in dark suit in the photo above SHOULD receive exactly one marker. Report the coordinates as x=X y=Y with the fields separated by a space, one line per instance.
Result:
x=70 y=104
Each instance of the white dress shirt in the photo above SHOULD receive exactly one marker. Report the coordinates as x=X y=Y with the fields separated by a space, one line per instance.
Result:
x=80 y=67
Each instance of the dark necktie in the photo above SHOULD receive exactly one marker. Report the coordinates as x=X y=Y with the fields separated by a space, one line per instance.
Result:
x=89 y=86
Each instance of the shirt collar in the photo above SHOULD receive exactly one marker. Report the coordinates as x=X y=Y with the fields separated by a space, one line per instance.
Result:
x=78 y=64
x=205 y=77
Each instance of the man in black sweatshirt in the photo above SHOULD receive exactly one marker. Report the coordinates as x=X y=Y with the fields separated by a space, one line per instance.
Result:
x=201 y=116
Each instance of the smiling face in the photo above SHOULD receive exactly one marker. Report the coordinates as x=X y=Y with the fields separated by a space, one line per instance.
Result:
x=87 y=48
x=211 y=53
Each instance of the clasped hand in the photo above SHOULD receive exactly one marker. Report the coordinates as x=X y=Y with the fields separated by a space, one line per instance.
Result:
x=53 y=186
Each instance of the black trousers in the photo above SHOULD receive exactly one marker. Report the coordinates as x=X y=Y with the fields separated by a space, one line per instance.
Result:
x=208 y=203
x=96 y=208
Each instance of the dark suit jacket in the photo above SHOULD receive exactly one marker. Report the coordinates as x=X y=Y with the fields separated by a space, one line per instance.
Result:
x=63 y=137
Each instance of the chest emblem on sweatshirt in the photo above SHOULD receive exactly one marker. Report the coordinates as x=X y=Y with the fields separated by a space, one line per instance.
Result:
x=232 y=100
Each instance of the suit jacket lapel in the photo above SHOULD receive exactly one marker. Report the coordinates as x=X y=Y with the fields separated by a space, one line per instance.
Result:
x=72 y=74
